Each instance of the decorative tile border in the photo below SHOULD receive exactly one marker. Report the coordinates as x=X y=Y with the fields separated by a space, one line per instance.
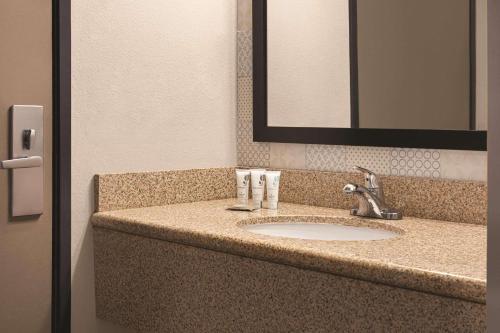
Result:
x=254 y=154
x=326 y=158
x=372 y=158
x=245 y=58
x=415 y=162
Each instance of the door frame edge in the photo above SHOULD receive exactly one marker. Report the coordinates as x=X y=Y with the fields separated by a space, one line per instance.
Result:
x=61 y=166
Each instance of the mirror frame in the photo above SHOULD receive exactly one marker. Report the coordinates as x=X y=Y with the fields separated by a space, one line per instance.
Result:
x=408 y=138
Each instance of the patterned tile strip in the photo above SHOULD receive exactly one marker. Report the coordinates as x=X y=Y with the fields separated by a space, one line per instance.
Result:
x=245 y=66
x=250 y=153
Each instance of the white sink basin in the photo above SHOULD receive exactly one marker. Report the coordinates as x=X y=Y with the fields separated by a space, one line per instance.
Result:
x=320 y=228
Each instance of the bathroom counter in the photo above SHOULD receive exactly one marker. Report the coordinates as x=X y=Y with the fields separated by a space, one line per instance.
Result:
x=436 y=257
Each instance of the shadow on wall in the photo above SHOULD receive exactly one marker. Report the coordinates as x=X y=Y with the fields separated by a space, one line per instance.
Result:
x=83 y=284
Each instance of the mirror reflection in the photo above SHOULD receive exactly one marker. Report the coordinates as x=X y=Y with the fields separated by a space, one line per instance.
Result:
x=389 y=64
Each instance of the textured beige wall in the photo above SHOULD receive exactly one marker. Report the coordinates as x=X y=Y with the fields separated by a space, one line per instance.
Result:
x=25 y=243
x=493 y=292
x=154 y=88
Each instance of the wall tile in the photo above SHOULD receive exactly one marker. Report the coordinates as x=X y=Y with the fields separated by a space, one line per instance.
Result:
x=326 y=158
x=343 y=158
x=254 y=154
x=375 y=159
x=415 y=162
x=245 y=65
x=465 y=165
x=244 y=14
x=288 y=156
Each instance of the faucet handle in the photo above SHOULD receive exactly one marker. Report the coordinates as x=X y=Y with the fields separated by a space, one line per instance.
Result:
x=371 y=179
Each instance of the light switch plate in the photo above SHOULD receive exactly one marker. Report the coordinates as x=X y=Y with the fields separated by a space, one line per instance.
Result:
x=26 y=184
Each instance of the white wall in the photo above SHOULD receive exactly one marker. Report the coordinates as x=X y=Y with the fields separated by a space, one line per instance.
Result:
x=154 y=88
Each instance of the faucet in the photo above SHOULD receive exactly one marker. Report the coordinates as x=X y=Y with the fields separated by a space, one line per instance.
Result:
x=371 y=199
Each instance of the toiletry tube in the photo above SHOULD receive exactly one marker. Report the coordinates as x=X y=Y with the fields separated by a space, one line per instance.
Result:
x=242 y=184
x=258 y=177
x=273 y=188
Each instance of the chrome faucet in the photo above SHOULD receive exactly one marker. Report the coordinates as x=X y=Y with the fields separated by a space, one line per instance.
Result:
x=371 y=199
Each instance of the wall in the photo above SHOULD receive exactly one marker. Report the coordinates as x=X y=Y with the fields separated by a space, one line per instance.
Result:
x=153 y=89
x=493 y=292
x=25 y=243
x=449 y=164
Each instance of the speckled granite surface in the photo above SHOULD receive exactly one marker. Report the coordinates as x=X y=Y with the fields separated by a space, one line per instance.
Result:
x=440 y=258
x=447 y=200
x=145 y=189
x=438 y=199
x=157 y=286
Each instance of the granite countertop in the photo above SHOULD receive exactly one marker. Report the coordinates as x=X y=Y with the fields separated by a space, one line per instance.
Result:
x=442 y=258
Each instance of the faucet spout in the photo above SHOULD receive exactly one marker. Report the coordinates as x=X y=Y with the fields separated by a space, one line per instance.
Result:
x=370 y=203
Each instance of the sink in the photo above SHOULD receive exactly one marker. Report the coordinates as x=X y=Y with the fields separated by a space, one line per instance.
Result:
x=320 y=228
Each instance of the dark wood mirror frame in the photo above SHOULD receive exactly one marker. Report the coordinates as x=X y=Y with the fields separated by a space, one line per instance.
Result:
x=409 y=138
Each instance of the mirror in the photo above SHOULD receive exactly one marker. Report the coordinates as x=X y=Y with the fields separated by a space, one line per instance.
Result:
x=416 y=64
x=402 y=66
x=308 y=63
